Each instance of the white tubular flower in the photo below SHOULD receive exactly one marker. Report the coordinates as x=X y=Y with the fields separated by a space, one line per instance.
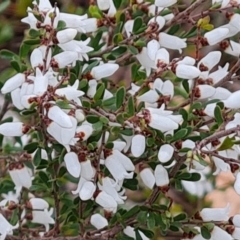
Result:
x=72 y=164
x=145 y=61
x=232 y=101
x=103 y=4
x=165 y=153
x=13 y=129
x=63 y=59
x=221 y=93
x=187 y=72
x=233 y=49
x=219 y=74
x=5 y=227
x=104 y=70
x=216 y=35
x=210 y=60
x=16 y=98
x=215 y=214
x=187 y=61
x=70 y=92
x=237 y=184
x=161 y=176
x=138 y=145
x=56 y=114
x=172 y=42
x=79 y=186
x=44 y=5
x=40 y=82
x=159 y=20
x=112 y=9
x=30 y=19
x=106 y=201
x=220 y=234
x=152 y=48
x=87 y=190
x=88 y=25
x=220 y=165
x=166 y=88
x=36 y=58
x=116 y=168
x=72 y=20
x=164 y=3
x=48 y=20
x=209 y=109
x=84 y=132
x=205 y=91
x=119 y=145
x=236 y=220
x=128 y=27
x=98 y=221
x=66 y=35
x=151 y=96
x=129 y=231
x=162 y=57
x=13 y=83
x=147 y=177
x=38 y=204
x=236 y=233
x=87 y=170
x=43 y=218
x=110 y=188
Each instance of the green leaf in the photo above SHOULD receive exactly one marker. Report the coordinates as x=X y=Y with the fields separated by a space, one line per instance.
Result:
x=15 y=65
x=120 y=96
x=205 y=232
x=95 y=12
x=151 y=221
x=178 y=185
x=4 y=5
x=179 y=135
x=117 y=3
x=147 y=233
x=70 y=229
x=185 y=85
x=138 y=235
x=226 y=144
x=31 y=147
x=194 y=177
x=174 y=29
x=32 y=42
x=24 y=50
x=6 y=54
x=96 y=40
x=130 y=107
x=90 y=66
x=131 y=212
x=109 y=102
x=34 y=33
x=44 y=178
x=92 y=119
x=37 y=157
x=117 y=38
x=180 y=217
x=133 y=50
x=100 y=92
x=119 y=51
x=218 y=115
x=138 y=22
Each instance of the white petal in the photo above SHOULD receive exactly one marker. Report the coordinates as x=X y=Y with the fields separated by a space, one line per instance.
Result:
x=138 y=145
x=65 y=58
x=103 y=4
x=211 y=59
x=219 y=233
x=39 y=203
x=187 y=72
x=159 y=20
x=36 y=58
x=13 y=83
x=233 y=49
x=124 y=160
x=12 y=129
x=232 y=101
x=87 y=191
x=164 y=3
x=162 y=55
x=97 y=220
x=147 y=177
x=128 y=26
x=87 y=170
x=24 y=176
x=152 y=48
x=105 y=200
x=162 y=123
x=72 y=164
x=161 y=176
x=104 y=70
x=206 y=91
x=216 y=35
x=56 y=114
x=16 y=98
x=150 y=96
x=165 y=153
x=66 y=35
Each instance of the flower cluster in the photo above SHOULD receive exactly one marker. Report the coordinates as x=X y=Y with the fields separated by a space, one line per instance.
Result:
x=82 y=140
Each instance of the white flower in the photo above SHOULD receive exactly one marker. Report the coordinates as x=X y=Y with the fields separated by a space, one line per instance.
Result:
x=13 y=83
x=150 y=96
x=103 y=4
x=38 y=204
x=215 y=214
x=138 y=145
x=220 y=165
x=210 y=60
x=84 y=132
x=162 y=58
x=186 y=71
x=72 y=20
x=159 y=20
x=63 y=59
x=220 y=234
x=5 y=227
x=43 y=217
x=147 y=177
x=166 y=88
x=152 y=48
x=104 y=70
x=89 y=25
x=161 y=176
x=221 y=94
x=232 y=101
x=44 y=5
x=128 y=27
x=216 y=35
x=106 y=201
x=16 y=98
x=30 y=19
x=205 y=91
x=165 y=153
x=236 y=220
x=164 y=3
x=236 y=233
x=87 y=190
x=87 y=170
x=20 y=175
x=66 y=35
x=233 y=48
x=172 y=42
x=72 y=164
x=98 y=221
x=36 y=58
x=13 y=129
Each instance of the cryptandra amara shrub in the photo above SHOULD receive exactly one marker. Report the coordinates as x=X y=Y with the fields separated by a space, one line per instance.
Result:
x=78 y=140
